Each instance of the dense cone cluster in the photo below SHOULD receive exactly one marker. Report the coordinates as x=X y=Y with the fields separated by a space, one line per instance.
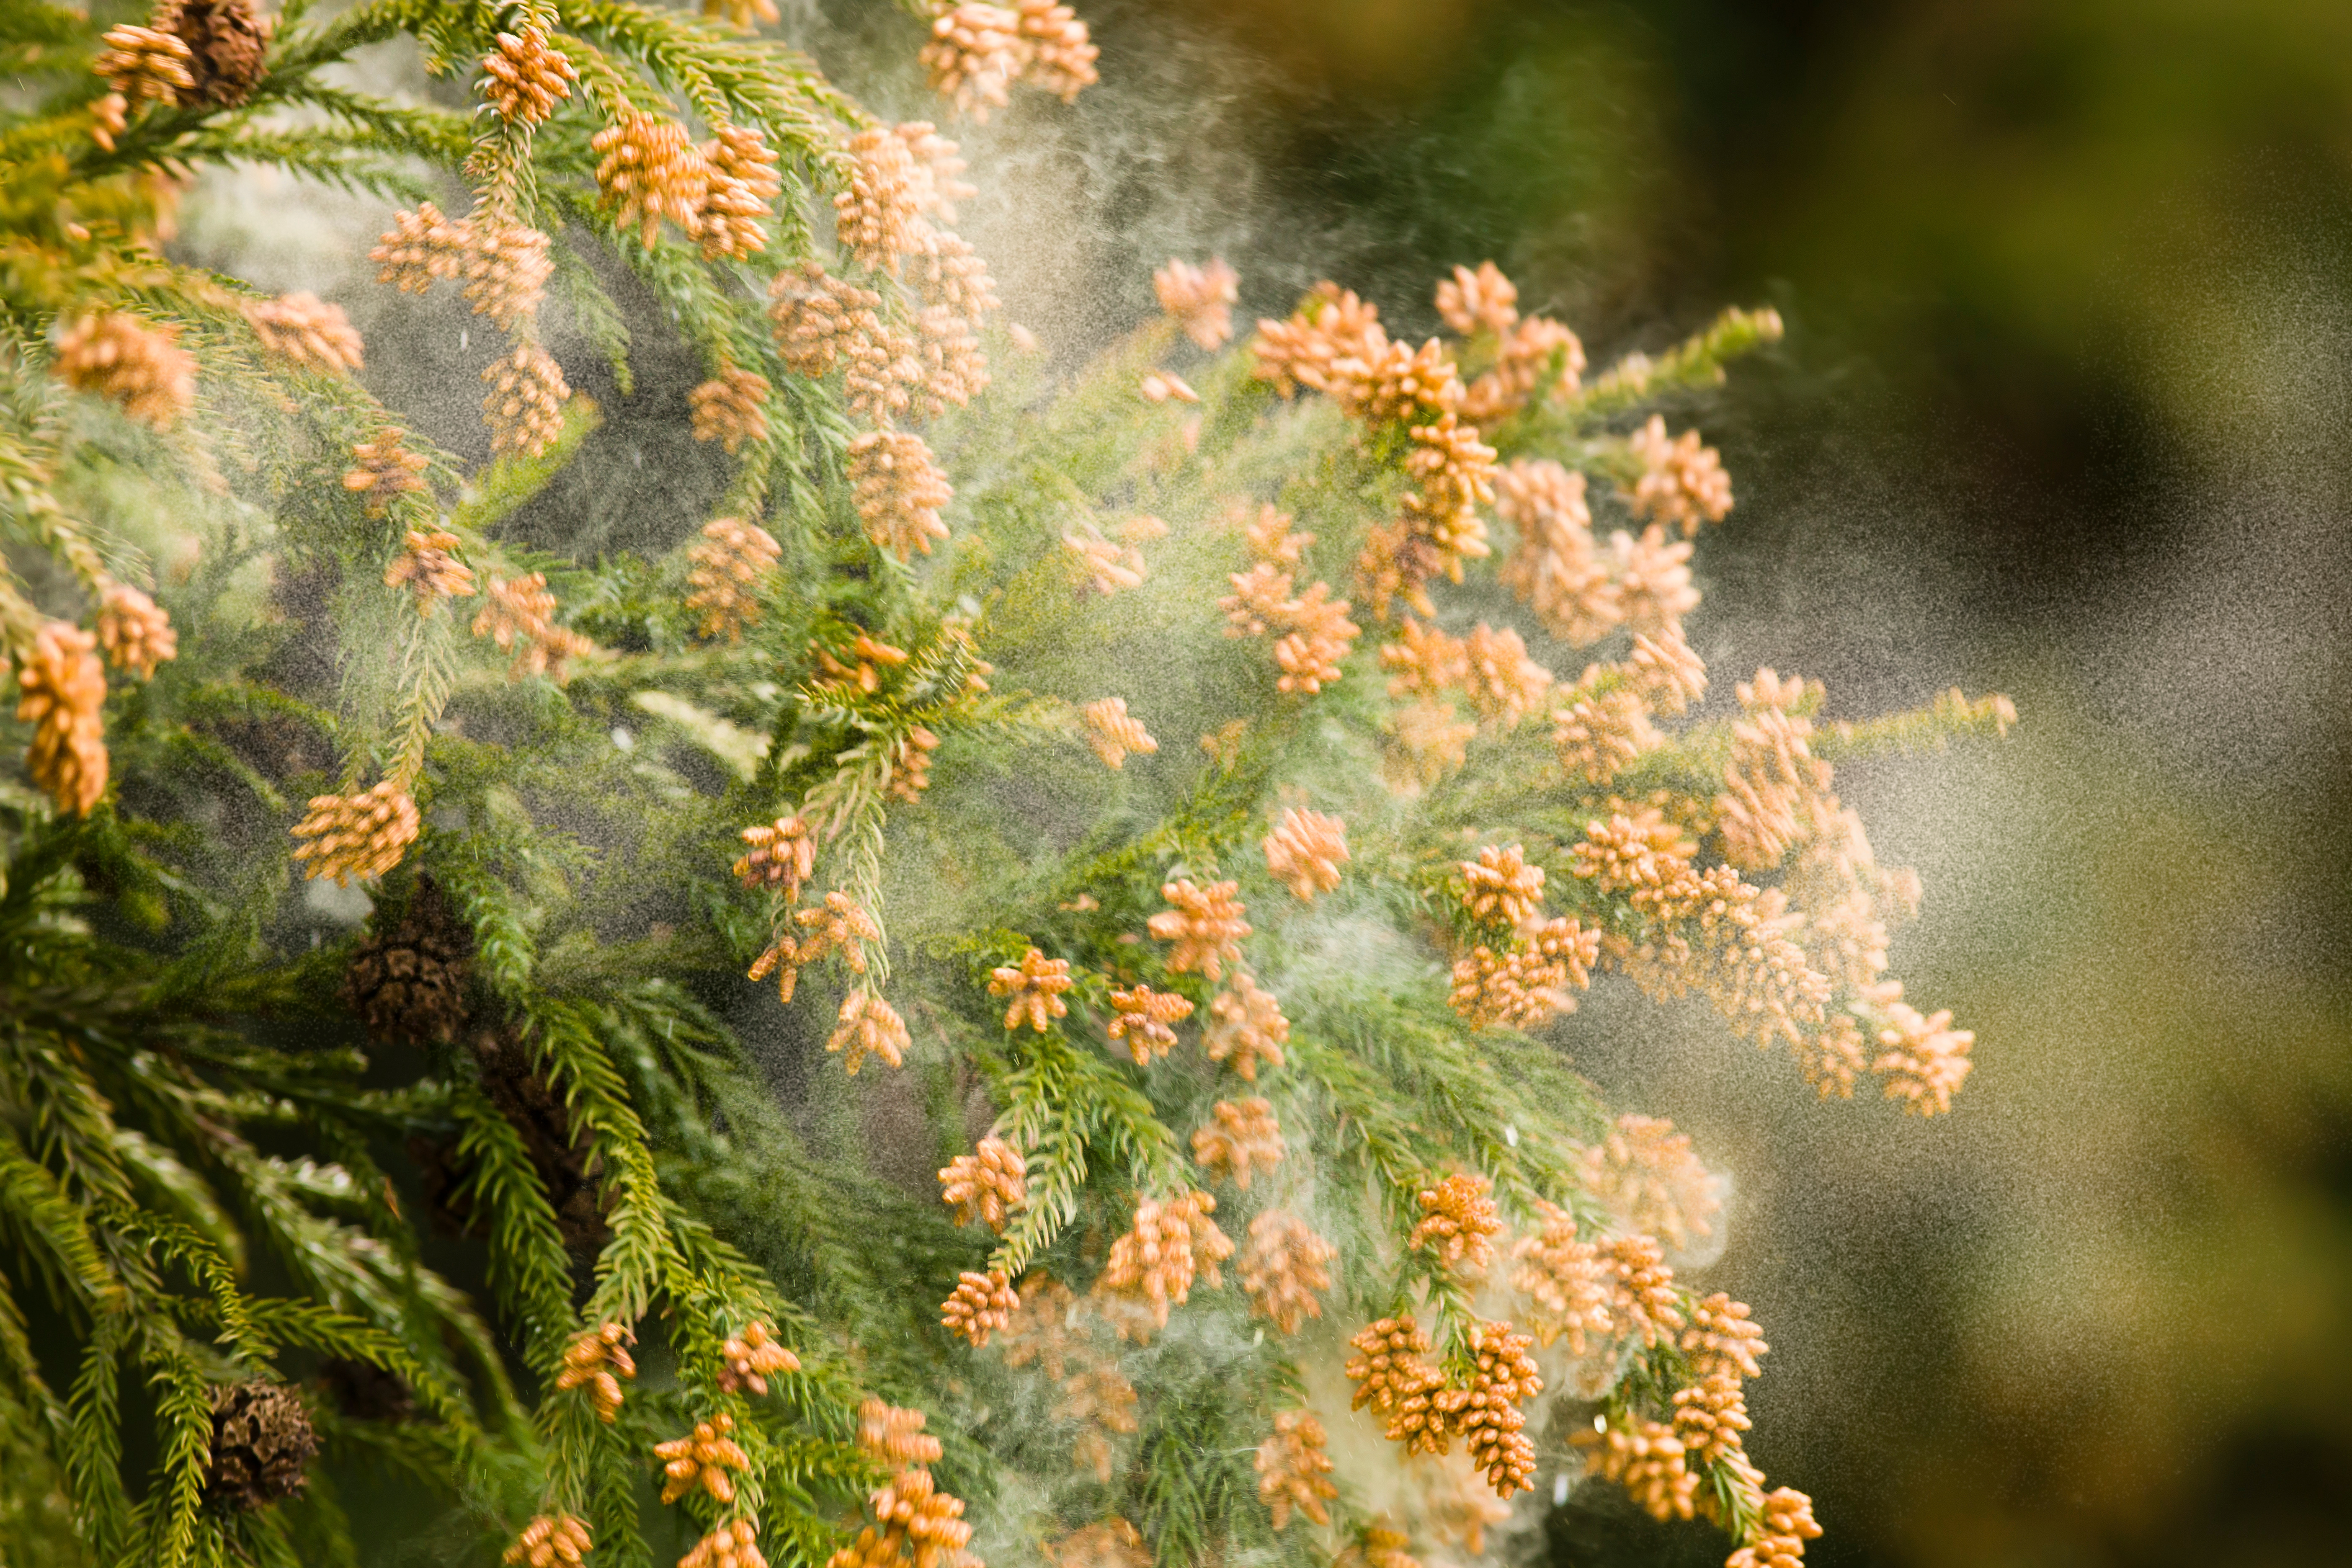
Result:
x=598 y=1360
x=524 y=407
x=747 y=1359
x=551 y=1540
x=781 y=855
x=731 y=409
x=1643 y=1172
x=706 y=1460
x=1205 y=928
x=1285 y=1269
x=1485 y=1412
x=1564 y=1281
x=1036 y=986
x=385 y=469
x=1393 y=1377
x=135 y=632
x=352 y=838
x=1200 y=300
x=139 y=366
x=1458 y=1223
x=1293 y=1469
x=899 y=491
x=977 y=51
x=1304 y=852
x=1683 y=484
x=725 y=568
x=734 y=1544
x=1115 y=733
x=145 y=65
x=868 y=1026
x=1172 y=1244
x=986 y=1186
x=1141 y=1020
x=982 y=1304
x=519 y=617
x=1311 y=632
x=525 y=78
x=501 y=266
x=306 y=330
x=1239 y=1135
x=428 y=568
x=895 y=1436
x=1246 y=1028
x=1648 y=1460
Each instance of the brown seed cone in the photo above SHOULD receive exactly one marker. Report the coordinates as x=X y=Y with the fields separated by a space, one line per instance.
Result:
x=62 y=688
x=139 y=366
x=362 y=1391
x=261 y=1448
x=560 y=1154
x=409 y=984
x=226 y=40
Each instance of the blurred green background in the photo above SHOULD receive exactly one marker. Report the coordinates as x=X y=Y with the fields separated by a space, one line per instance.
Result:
x=2061 y=413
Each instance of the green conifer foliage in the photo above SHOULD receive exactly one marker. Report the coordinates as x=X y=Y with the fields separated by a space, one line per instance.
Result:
x=715 y=901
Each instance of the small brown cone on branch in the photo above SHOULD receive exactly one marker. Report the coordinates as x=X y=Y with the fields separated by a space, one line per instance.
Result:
x=227 y=42
x=409 y=984
x=262 y=1445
